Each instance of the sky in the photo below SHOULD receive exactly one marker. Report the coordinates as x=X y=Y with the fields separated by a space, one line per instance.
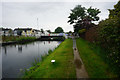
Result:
x=50 y=14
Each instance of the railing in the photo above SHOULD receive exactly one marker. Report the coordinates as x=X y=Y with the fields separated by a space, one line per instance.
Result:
x=50 y=35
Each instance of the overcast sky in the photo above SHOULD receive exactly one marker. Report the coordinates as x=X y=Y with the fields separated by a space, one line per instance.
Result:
x=50 y=14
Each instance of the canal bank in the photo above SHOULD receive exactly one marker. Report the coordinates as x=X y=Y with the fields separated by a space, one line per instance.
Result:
x=17 y=40
x=62 y=68
x=24 y=40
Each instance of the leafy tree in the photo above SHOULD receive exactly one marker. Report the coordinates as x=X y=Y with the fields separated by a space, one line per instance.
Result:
x=115 y=13
x=78 y=14
x=70 y=32
x=10 y=32
x=82 y=17
x=42 y=30
x=59 y=30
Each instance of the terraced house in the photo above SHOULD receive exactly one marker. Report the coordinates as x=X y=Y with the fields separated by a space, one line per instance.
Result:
x=26 y=31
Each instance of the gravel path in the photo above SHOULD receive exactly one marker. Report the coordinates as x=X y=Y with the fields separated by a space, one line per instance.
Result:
x=80 y=69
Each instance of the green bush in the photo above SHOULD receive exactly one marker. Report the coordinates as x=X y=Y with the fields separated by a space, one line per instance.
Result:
x=24 y=39
x=109 y=36
x=82 y=31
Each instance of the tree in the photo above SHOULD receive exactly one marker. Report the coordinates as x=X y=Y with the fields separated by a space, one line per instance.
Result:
x=42 y=30
x=48 y=31
x=10 y=32
x=82 y=17
x=59 y=30
x=116 y=11
x=70 y=32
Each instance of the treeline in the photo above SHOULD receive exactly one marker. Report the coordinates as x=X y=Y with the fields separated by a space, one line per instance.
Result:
x=107 y=35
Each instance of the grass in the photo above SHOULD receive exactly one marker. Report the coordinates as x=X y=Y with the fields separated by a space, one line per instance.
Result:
x=37 y=60
x=9 y=38
x=62 y=68
x=18 y=38
x=94 y=61
x=25 y=39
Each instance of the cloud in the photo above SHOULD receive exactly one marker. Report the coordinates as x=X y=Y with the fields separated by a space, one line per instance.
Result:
x=59 y=0
x=0 y=14
x=50 y=14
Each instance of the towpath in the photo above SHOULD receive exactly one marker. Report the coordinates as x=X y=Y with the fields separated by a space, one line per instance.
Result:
x=80 y=69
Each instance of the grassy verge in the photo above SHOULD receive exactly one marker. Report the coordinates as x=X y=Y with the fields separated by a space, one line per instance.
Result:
x=21 y=39
x=25 y=39
x=9 y=38
x=94 y=61
x=62 y=68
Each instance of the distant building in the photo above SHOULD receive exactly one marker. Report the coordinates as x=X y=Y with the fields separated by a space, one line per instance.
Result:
x=27 y=32
x=15 y=33
x=37 y=33
x=6 y=32
x=46 y=33
x=23 y=31
x=20 y=32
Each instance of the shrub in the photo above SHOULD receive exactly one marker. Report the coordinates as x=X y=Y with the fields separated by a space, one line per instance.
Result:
x=25 y=39
x=109 y=37
x=82 y=31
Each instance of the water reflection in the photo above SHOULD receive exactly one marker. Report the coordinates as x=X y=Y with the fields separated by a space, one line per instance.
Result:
x=33 y=43
x=15 y=46
x=5 y=50
x=13 y=62
x=59 y=42
x=44 y=42
x=20 y=48
x=49 y=42
x=26 y=45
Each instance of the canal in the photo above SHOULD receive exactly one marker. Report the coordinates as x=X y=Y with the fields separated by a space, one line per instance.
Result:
x=16 y=58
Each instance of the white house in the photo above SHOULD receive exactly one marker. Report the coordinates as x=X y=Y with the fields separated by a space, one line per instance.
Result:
x=46 y=33
x=23 y=31
x=37 y=33
x=6 y=32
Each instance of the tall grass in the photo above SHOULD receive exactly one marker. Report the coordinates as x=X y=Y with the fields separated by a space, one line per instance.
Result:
x=9 y=38
x=36 y=62
x=25 y=39
x=17 y=38
x=94 y=59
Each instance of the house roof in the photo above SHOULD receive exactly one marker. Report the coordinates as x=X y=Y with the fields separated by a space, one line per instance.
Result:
x=36 y=30
x=5 y=29
x=22 y=29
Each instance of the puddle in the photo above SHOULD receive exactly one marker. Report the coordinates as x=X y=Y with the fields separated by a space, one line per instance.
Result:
x=75 y=49
x=78 y=63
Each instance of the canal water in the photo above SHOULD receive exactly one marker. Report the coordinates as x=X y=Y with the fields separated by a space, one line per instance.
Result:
x=16 y=58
